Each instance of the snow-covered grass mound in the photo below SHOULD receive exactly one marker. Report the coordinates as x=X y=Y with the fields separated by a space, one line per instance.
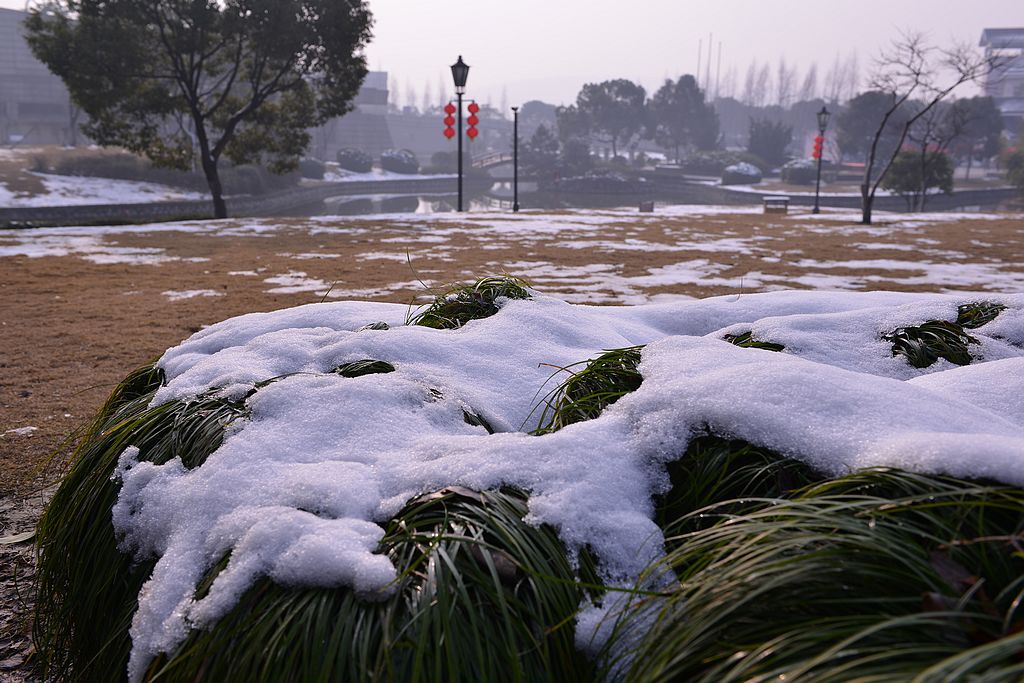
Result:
x=507 y=486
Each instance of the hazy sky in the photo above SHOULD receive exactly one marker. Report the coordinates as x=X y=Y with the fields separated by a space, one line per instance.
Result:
x=546 y=49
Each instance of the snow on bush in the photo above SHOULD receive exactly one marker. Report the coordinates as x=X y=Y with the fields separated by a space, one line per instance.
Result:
x=354 y=450
x=741 y=174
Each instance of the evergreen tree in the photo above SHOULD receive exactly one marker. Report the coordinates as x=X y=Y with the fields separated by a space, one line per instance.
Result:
x=249 y=76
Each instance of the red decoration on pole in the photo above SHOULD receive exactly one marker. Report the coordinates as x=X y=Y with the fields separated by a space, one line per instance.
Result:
x=819 y=143
x=474 y=108
x=449 y=120
x=472 y=120
x=472 y=132
x=449 y=132
x=449 y=109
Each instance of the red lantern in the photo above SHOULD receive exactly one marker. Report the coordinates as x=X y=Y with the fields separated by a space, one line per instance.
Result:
x=474 y=108
x=819 y=143
x=472 y=120
x=449 y=109
x=449 y=120
x=472 y=133
x=449 y=132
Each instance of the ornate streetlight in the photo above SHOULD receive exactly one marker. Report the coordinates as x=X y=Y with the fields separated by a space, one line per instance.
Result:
x=819 y=144
x=515 y=159
x=460 y=72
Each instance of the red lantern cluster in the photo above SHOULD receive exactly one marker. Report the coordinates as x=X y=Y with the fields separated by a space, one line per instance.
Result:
x=472 y=121
x=449 y=121
x=819 y=143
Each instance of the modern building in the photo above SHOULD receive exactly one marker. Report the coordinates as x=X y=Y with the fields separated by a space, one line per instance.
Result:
x=35 y=108
x=1006 y=85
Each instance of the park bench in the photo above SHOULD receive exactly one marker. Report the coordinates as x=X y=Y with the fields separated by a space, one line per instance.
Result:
x=776 y=204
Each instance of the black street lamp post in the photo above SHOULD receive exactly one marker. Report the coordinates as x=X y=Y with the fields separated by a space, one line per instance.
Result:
x=515 y=159
x=460 y=72
x=822 y=125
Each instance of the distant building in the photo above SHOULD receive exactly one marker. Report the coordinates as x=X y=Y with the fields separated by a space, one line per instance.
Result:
x=35 y=108
x=373 y=126
x=365 y=127
x=1006 y=86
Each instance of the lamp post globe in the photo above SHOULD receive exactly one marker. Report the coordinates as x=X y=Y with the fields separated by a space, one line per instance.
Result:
x=823 y=117
x=460 y=72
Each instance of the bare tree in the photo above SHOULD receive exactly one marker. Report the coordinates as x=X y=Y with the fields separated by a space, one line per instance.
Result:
x=442 y=93
x=428 y=99
x=728 y=84
x=833 y=81
x=851 y=75
x=410 y=96
x=933 y=134
x=917 y=77
x=809 y=89
x=750 y=83
x=785 y=83
x=762 y=86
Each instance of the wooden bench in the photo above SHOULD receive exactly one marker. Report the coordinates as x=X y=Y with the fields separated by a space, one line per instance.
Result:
x=776 y=204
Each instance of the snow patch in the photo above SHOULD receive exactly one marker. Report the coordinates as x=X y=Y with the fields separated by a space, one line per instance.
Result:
x=190 y=293
x=22 y=431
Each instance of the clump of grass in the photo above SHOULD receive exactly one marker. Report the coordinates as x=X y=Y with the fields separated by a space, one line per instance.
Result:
x=880 y=575
x=747 y=341
x=481 y=596
x=460 y=304
x=714 y=470
x=367 y=366
x=85 y=587
x=975 y=314
x=932 y=340
x=588 y=391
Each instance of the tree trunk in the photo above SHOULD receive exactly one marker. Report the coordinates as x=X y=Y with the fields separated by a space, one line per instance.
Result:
x=866 y=200
x=220 y=207
x=970 y=158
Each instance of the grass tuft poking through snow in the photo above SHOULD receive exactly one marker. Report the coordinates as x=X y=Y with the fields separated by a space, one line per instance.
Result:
x=461 y=303
x=588 y=391
x=367 y=366
x=973 y=315
x=746 y=340
x=299 y=496
x=926 y=343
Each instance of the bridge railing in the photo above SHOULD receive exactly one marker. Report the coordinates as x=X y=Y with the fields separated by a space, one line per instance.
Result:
x=491 y=159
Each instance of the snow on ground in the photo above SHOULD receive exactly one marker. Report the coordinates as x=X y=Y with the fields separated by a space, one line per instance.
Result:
x=190 y=293
x=299 y=490
x=21 y=431
x=708 y=249
x=75 y=190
